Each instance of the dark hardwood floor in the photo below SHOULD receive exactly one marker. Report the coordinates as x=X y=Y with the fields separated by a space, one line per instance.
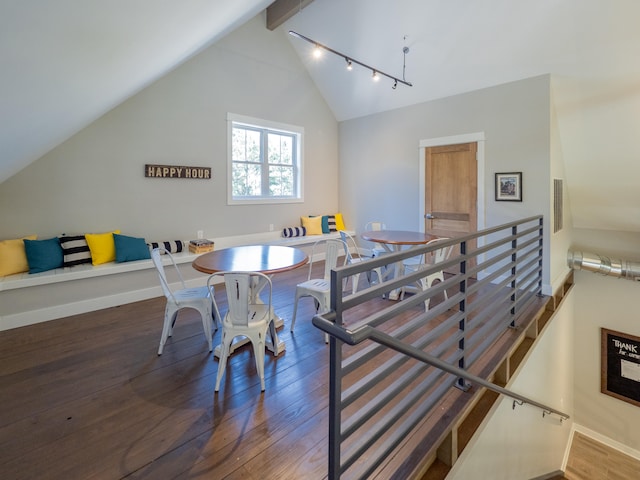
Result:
x=87 y=397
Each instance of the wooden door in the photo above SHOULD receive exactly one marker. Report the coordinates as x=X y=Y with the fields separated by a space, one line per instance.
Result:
x=451 y=185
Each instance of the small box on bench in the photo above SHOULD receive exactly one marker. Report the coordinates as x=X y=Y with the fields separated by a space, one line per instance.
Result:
x=201 y=245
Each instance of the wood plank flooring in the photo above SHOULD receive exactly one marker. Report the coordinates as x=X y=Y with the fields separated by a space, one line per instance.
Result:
x=86 y=397
x=591 y=460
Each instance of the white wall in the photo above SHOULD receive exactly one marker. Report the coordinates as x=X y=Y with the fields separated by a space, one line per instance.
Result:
x=94 y=182
x=379 y=161
x=519 y=444
x=610 y=303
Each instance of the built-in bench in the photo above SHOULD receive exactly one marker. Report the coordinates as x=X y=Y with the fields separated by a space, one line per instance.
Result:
x=32 y=298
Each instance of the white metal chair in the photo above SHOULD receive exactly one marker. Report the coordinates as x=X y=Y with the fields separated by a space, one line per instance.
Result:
x=243 y=318
x=319 y=288
x=375 y=226
x=198 y=298
x=414 y=264
x=350 y=246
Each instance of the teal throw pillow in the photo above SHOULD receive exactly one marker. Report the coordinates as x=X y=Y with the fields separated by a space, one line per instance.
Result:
x=129 y=249
x=325 y=224
x=43 y=255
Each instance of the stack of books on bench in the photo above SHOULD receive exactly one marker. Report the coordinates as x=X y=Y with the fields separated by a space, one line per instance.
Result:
x=201 y=245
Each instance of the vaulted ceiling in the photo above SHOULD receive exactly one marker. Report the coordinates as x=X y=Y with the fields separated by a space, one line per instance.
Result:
x=66 y=63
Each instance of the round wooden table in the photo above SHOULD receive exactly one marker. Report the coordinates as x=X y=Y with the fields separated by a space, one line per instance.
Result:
x=397 y=238
x=393 y=241
x=267 y=259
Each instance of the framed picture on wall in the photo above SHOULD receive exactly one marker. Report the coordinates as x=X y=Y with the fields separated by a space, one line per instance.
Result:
x=620 y=366
x=509 y=187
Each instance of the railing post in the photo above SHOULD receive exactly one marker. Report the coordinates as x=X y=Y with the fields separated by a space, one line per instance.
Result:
x=335 y=382
x=541 y=244
x=463 y=307
x=514 y=258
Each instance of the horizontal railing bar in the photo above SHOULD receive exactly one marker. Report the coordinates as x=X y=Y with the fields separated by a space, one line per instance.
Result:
x=399 y=432
x=380 y=401
x=533 y=277
x=356 y=360
x=361 y=357
x=392 y=365
x=493 y=260
x=369 y=333
x=526 y=300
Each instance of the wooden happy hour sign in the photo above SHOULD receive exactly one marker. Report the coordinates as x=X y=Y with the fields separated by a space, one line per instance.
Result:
x=177 y=171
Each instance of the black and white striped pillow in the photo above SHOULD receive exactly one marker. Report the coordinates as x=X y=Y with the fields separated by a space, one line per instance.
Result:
x=172 y=246
x=294 y=232
x=75 y=250
x=331 y=222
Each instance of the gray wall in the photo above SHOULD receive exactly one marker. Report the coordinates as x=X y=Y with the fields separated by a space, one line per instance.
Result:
x=379 y=158
x=94 y=182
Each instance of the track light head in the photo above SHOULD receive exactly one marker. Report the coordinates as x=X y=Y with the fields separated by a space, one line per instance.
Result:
x=317 y=51
x=375 y=76
x=395 y=84
x=349 y=64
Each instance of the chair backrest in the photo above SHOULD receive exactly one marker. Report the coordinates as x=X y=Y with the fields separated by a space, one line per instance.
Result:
x=441 y=254
x=350 y=246
x=156 y=256
x=331 y=257
x=375 y=226
x=332 y=252
x=238 y=286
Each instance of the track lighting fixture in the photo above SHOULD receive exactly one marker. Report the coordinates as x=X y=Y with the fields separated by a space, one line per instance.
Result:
x=375 y=73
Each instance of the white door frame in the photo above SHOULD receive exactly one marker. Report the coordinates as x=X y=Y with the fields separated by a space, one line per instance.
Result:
x=477 y=137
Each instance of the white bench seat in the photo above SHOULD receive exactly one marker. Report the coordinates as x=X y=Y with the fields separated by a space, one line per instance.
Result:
x=32 y=298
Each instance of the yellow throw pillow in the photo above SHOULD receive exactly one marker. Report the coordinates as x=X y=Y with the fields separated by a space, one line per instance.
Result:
x=312 y=224
x=13 y=256
x=102 y=246
x=339 y=222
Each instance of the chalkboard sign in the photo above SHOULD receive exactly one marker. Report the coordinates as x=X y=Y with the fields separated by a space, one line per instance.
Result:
x=620 y=366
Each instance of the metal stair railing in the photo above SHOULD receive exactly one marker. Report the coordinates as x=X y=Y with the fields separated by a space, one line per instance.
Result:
x=390 y=369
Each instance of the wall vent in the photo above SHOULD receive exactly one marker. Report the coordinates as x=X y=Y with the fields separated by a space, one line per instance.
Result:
x=558 y=208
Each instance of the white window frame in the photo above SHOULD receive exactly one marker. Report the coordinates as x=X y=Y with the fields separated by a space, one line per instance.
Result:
x=261 y=124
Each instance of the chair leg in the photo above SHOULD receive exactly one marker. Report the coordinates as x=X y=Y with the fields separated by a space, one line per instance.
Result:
x=222 y=361
x=258 y=352
x=354 y=282
x=295 y=311
x=215 y=316
x=169 y=318
x=206 y=325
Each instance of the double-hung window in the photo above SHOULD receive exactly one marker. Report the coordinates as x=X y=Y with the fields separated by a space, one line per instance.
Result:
x=265 y=161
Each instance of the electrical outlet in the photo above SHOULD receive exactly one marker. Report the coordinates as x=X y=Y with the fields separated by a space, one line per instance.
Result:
x=200 y=234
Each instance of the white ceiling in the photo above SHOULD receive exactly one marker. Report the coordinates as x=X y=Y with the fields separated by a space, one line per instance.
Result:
x=65 y=63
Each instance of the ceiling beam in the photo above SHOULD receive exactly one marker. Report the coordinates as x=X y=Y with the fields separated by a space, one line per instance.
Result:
x=282 y=10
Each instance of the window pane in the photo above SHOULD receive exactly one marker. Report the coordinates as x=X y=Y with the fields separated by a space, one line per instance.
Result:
x=281 y=181
x=246 y=179
x=245 y=145
x=280 y=148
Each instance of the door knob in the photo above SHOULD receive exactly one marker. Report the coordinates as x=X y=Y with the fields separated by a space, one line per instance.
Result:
x=429 y=216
